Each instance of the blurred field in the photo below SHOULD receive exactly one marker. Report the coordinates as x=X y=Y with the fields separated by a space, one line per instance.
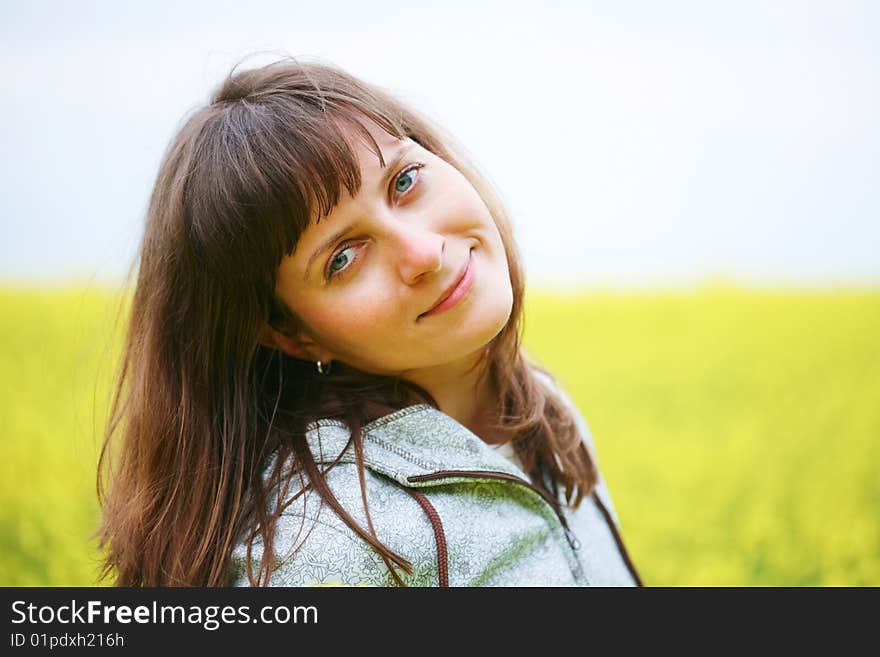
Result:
x=739 y=430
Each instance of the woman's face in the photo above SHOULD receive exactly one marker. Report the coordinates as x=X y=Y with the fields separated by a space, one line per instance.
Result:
x=362 y=279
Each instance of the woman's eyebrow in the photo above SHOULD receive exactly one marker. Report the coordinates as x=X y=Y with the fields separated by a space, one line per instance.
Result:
x=389 y=168
x=330 y=241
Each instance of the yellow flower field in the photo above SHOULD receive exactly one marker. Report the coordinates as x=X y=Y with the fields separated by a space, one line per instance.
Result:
x=738 y=429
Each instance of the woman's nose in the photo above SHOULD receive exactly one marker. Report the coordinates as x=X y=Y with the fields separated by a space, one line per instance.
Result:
x=420 y=253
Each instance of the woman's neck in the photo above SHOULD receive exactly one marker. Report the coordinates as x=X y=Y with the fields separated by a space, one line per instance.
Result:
x=464 y=392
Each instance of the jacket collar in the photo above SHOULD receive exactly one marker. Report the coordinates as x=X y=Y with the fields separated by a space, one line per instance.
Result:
x=416 y=440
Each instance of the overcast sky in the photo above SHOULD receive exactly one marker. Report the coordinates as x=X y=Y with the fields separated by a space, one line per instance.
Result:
x=634 y=143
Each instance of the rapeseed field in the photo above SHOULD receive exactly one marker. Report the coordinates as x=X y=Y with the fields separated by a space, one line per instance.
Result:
x=738 y=429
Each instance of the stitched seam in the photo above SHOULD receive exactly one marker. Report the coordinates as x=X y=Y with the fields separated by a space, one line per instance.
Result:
x=396 y=415
x=325 y=422
x=402 y=453
x=370 y=426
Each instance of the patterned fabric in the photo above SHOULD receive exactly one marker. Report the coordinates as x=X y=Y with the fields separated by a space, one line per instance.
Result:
x=497 y=531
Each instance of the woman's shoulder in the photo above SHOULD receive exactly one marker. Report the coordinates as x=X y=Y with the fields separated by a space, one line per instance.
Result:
x=311 y=550
x=315 y=546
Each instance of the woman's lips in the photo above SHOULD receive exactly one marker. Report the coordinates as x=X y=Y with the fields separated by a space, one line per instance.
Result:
x=458 y=292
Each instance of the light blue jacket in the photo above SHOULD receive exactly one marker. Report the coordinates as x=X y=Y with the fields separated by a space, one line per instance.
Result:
x=462 y=513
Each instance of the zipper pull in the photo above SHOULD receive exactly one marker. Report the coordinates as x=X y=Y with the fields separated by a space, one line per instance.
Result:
x=572 y=539
x=575 y=544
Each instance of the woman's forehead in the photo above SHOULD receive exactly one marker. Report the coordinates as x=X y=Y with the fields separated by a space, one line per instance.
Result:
x=373 y=159
x=366 y=151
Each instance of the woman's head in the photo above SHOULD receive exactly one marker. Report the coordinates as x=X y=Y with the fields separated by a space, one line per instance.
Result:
x=282 y=160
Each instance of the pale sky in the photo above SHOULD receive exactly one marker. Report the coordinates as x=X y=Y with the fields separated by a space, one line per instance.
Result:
x=635 y=143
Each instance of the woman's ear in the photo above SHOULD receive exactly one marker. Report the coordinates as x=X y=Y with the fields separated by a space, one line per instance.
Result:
x=298 y=345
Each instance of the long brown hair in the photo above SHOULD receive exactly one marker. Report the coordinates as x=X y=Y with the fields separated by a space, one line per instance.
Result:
x=200 y=405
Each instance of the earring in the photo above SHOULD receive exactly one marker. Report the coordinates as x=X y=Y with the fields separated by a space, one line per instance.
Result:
x=322 y=370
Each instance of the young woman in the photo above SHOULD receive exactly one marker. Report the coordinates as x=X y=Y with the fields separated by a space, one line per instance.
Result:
x=322 y=380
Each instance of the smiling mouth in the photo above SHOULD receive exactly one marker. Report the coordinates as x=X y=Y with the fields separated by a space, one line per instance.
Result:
x=456 y=292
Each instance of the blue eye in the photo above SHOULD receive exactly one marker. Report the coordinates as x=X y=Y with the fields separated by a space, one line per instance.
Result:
x=340 y=259
x=407 y=178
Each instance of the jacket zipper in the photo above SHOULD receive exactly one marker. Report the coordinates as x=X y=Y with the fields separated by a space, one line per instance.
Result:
x=443 y=474
x=569 y=534
x=440 y=535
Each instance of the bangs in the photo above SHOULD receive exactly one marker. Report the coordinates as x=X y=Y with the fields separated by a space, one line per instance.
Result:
x=320 y=158
x=296 y=153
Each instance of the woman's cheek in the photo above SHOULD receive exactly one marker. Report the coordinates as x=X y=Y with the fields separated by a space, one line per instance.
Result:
x=360 y=319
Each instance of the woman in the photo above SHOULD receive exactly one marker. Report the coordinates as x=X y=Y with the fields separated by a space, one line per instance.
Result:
x=322 y=380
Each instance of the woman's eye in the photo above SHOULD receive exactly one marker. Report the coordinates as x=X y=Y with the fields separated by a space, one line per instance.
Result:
x=339 y=262
x=343 y=258
x=407 y=178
